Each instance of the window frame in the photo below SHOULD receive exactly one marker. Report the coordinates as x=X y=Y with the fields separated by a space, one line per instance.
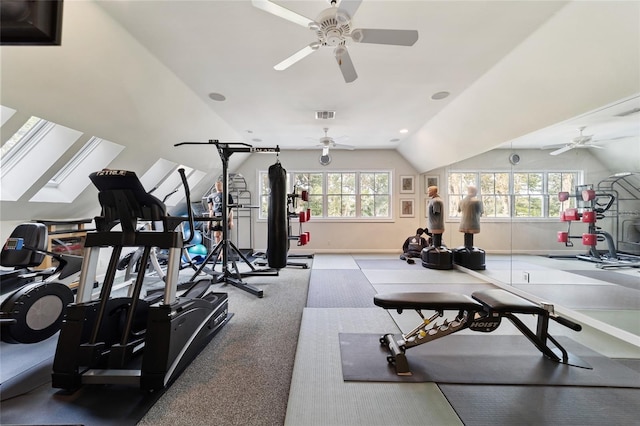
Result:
x=545 y=194
x=262 y=176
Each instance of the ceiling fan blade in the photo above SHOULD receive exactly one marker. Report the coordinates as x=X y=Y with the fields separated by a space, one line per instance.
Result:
x=554 y=146
x=300 y=54
x=561 y=150
x=345 y=64
x=344 y=146
x=377 y=36
x=350 y=6
x=282 y=12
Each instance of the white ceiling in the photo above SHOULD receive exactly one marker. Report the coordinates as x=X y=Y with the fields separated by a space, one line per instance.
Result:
x=230 y=47
x=139 y=73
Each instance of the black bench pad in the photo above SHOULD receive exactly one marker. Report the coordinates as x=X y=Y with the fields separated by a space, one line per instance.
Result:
x=427 y=300
x=502 y=301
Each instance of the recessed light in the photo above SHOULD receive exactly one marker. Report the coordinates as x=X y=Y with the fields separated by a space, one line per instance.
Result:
x=439 y=95
x=249 y=131
x=256 y=140
x=217 y=96
x=404 y=131
x=395 y=140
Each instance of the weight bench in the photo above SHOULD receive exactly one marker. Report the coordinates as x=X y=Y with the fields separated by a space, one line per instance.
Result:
x=481 y=312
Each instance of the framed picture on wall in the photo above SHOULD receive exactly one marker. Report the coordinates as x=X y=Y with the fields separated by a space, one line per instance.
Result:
x=430 y=181
x=406 y=207
x=406 y=185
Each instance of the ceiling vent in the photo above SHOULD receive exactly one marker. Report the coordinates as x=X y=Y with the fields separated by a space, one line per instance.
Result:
x=325 y=115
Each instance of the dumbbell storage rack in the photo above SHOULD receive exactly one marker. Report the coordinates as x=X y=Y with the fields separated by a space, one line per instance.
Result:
x=591 y=206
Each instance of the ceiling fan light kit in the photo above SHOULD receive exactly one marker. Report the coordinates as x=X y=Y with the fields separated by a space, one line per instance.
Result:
x=333 y=28
x=325 y=159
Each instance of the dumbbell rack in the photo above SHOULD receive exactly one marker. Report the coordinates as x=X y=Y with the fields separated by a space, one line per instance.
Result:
x=302 y=215
x=589 y=210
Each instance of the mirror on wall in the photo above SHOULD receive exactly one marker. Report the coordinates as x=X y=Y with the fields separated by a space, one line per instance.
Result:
x=572 y=224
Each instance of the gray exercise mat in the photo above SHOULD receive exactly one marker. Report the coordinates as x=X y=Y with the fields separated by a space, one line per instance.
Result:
x=389 y=264
x=543 y=405
x=483 y=359
x=629 y=281
x=339 y=288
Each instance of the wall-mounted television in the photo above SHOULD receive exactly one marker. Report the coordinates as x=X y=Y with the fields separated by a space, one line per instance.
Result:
x=31 y=22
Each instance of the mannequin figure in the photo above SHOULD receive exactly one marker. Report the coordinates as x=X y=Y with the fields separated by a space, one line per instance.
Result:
x=435 y=221
x=436 y=256
x=471 y=208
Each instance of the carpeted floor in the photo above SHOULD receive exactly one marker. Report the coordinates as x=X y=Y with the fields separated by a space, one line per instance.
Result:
x=242 y=377
x=254 y=352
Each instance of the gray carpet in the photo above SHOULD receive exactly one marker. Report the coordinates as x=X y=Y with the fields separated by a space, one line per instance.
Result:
x=339 y=288
x=629 y=281
x=242 y=377
x=481 y=359
x=478 y=405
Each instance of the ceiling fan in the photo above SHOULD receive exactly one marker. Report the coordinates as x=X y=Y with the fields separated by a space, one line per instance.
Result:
x=327 y=142
x=581 y=141
x=333 y=28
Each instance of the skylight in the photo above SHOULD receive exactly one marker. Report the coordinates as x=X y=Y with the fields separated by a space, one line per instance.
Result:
x=30 y=153
x=73 y=178
x=5 y=114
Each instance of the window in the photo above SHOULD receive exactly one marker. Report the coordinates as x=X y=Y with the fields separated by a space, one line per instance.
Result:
x=523 y=194
x=527 y=189
x=458 y=183
x=375 y=198
x=312 y=183
x=37 y=146
x=336 y=195
x=73 y=177
x=561 y=182
x=494 y=188
x=341 y=194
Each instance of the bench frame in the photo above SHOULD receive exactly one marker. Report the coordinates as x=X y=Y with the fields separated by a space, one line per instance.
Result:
x=482 y=312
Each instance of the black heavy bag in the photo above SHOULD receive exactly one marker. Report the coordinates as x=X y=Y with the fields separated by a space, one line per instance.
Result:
x=278 y=238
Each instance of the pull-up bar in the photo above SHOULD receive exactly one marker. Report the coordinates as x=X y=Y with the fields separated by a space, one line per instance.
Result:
x=225 y=149
x=228 y=148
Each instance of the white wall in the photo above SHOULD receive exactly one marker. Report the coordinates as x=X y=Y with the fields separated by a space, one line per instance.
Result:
x=497 y=236
x=352 y=236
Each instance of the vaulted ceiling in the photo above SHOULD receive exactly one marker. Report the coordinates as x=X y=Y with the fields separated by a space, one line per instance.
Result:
x=142 y=73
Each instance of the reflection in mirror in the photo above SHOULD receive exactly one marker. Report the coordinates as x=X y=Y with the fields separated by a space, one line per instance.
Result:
x=561 y=218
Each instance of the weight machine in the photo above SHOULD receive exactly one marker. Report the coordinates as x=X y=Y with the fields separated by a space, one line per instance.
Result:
x=226 y=246
x=591 y=206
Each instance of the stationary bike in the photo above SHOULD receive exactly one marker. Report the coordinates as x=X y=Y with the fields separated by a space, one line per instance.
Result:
x=33 y=300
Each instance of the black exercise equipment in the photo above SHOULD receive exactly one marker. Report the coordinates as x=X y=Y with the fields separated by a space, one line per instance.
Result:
x=303 y=216
x=437 y=256
x=278 y=239
x=128 y=340
x=481 y=312
x=592 y=205
x=33 y=300
x=468 y=255
x=225 y=246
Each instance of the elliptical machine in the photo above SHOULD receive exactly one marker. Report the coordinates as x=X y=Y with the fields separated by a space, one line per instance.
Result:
x=32 y=300
x=128 y=340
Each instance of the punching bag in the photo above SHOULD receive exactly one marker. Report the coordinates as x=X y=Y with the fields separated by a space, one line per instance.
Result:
x=278 y=238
